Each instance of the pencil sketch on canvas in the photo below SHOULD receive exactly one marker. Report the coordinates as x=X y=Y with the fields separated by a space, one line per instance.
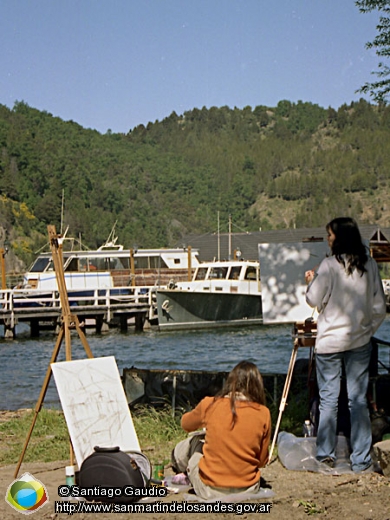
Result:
x=283 y=287
x=94 y=405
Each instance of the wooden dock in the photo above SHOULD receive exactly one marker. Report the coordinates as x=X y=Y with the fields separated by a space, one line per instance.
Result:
x=102 y=307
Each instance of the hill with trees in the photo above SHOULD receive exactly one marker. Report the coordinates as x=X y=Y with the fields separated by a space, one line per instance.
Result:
x=293 y=165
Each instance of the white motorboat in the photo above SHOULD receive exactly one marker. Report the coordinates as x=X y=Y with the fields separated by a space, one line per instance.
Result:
x=221 y=293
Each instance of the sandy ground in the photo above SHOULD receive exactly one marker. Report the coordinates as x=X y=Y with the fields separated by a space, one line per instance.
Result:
x=298 y=494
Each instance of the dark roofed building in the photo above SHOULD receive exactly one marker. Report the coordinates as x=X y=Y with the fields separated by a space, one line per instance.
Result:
x=223 y=246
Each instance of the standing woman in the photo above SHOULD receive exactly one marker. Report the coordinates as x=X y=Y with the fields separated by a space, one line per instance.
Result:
x=238 y=430
x=348 y=293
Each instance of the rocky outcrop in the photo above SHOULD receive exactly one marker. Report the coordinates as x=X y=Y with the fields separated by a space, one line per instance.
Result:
x=382 y=452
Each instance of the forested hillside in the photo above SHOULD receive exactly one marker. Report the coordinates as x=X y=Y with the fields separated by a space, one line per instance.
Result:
x=296 y=164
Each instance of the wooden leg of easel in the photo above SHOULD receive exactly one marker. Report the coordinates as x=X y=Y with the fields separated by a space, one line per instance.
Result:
x=84 y=341
x=283 y=400
x=68 y=321
x=41 y=397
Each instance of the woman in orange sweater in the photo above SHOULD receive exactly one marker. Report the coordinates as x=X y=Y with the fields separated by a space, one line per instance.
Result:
x=238 y=430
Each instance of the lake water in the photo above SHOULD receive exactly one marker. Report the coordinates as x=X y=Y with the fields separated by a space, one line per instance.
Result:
x=24 y=361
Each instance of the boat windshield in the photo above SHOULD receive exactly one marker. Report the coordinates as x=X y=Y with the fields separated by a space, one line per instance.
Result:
x=40 y=264
x=218 y=272
x=98 y=264
x=201 y=273
x=250 y=273
x=235 y=272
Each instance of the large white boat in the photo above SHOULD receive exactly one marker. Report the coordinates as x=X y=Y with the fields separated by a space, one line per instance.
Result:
x=112 y=266
x=221 y=293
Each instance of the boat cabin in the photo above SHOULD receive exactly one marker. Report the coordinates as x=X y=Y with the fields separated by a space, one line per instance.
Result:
x=116 y=267
x=238 y=271
x=242 y=276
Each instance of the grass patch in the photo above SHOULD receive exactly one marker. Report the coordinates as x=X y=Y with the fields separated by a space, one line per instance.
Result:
x=294 y=415
x=49 y=440
x=310 y=508
x=158 y=432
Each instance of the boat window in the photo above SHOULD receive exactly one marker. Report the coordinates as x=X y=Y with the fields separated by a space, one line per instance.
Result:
x=125 y=263
x=156 y=262
x=113 y=264
x=141 y=262
x=83 y=264
x=40 y=265
x=104 y=264
x=235 y=272
x=177 y=260
x=201 y=273
x=149 y=262
x=92 y=264
x=218 y=273
x=250 y=273
x=72 y=266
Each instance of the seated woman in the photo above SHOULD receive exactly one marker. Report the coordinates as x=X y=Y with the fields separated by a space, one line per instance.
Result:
x=238 y=430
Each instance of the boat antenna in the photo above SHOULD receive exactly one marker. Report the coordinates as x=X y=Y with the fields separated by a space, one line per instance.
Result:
x=66 y=232
x=111 y=237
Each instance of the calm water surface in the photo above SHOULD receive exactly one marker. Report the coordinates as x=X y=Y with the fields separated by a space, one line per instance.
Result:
x=24 y=361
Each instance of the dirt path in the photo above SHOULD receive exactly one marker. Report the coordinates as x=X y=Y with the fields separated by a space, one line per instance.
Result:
x=298 y=495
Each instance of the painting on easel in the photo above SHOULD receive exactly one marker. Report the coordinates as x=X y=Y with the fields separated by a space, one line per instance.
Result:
x=283 y=287
x=94 y=405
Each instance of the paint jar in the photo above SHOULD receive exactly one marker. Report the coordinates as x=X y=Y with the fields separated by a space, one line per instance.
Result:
x=69 y=476
x=159 y=471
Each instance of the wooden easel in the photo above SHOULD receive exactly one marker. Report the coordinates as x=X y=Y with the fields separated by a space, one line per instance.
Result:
x=68 y=321
x=304 y=334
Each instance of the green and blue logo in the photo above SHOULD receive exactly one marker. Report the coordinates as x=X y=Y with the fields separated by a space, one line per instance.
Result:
x=26 y=494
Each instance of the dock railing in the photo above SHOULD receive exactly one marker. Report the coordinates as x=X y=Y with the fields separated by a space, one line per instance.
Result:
x=24 y=305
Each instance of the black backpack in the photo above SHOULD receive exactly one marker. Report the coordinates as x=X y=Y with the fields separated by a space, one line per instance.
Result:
x=113 y=468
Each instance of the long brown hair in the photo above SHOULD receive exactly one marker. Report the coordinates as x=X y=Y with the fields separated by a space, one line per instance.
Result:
x=348 y=241
x=244 y=379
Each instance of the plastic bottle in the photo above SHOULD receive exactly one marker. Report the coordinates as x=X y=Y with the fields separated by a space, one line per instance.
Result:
x=69 y=476
x=159 y=472
x=308 y=429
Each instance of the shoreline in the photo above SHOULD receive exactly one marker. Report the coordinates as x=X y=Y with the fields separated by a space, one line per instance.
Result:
x=297 y=494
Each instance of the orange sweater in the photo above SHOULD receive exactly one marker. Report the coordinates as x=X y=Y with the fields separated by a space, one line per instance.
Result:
x=231 y=457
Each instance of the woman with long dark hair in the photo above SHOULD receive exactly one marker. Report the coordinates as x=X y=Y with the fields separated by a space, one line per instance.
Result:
x=348 y=293
x=237 y=432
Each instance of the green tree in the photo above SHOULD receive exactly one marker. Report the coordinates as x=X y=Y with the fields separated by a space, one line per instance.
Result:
x=378 y=90
x=283 y=108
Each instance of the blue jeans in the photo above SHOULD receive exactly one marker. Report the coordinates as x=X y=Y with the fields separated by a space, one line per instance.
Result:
x=329 y=369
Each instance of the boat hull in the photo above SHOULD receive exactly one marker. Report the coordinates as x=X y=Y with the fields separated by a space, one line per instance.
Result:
x=181 y=310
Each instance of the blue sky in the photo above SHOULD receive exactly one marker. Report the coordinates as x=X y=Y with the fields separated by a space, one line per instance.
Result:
x=115 y=64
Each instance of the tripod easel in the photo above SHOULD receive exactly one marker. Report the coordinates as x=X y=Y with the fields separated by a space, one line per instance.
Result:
x=68 y=321
x=304 y=335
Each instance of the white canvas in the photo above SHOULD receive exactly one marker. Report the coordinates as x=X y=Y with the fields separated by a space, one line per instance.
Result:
x=283 y=286
x=94 y=405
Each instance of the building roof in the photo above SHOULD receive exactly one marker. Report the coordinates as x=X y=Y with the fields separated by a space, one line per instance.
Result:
x=213 y=246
